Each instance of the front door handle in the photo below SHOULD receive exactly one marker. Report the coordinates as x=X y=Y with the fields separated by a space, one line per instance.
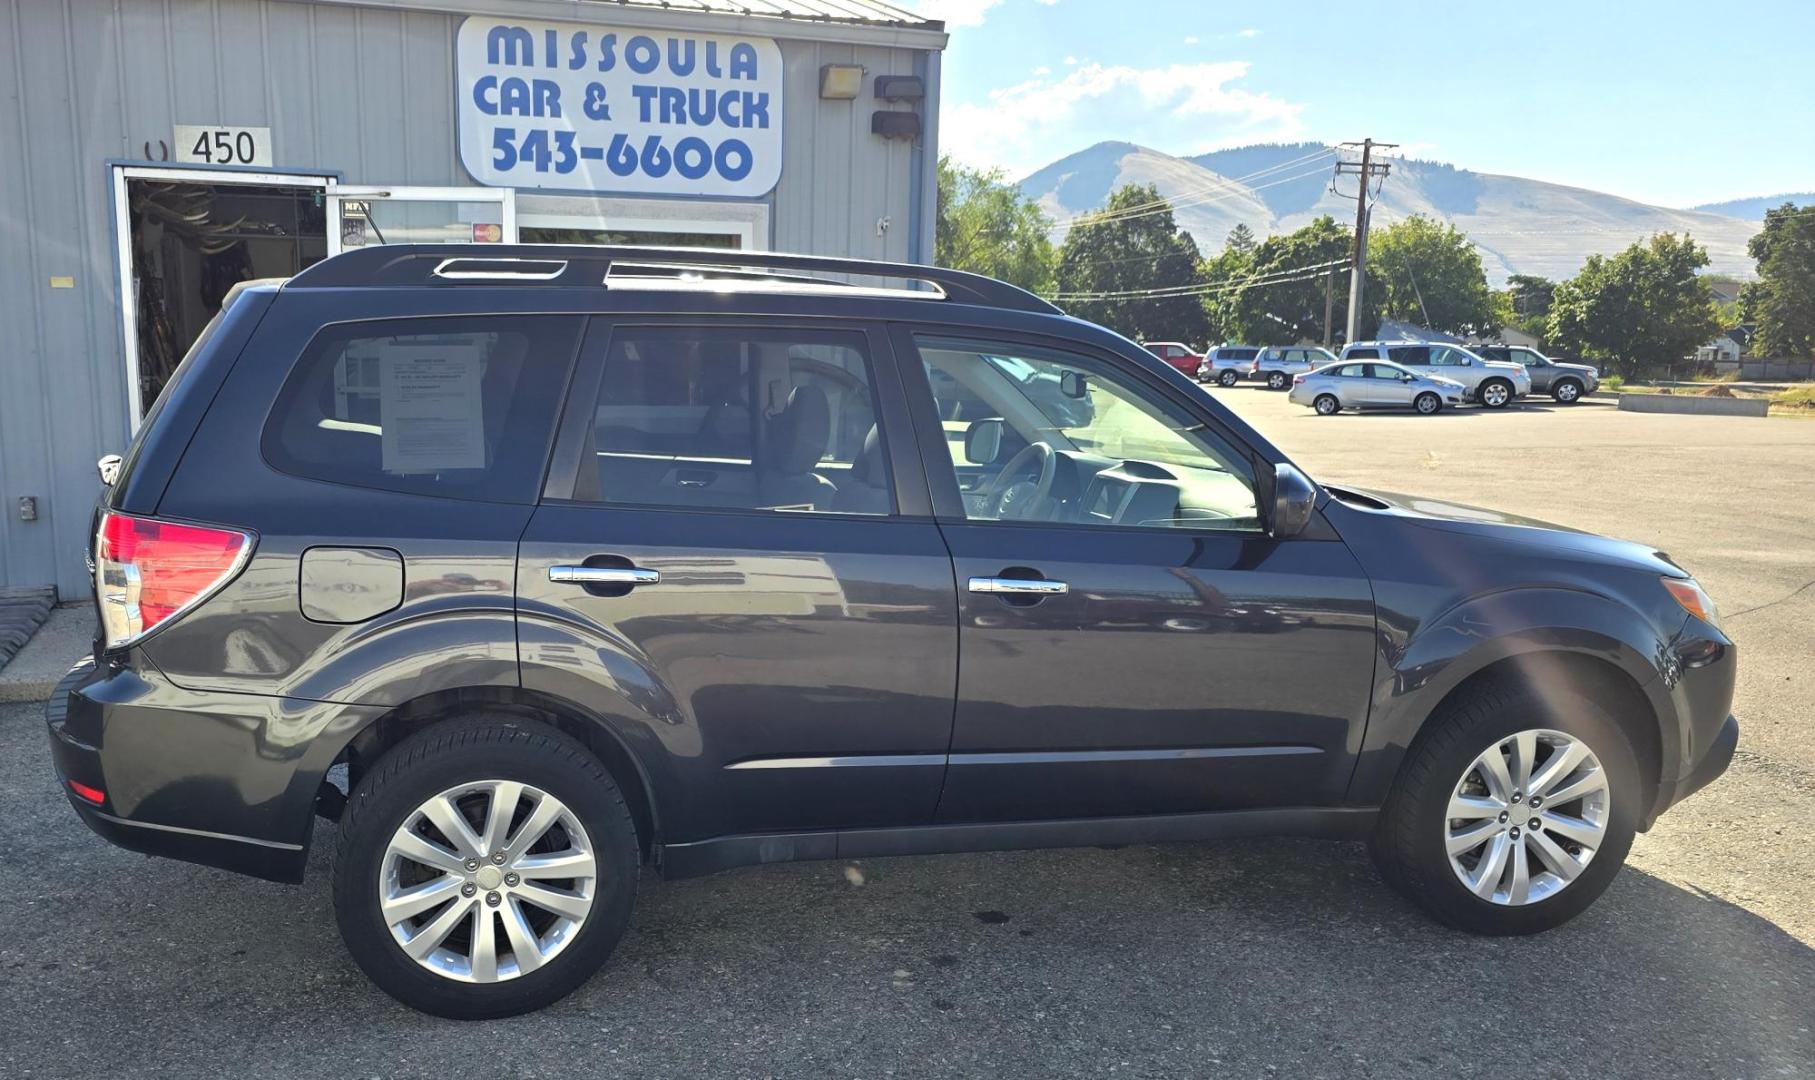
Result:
x=604 y=575
x=1006 y=586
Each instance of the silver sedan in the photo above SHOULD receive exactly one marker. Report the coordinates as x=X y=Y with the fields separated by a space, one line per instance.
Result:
x=1372 y=384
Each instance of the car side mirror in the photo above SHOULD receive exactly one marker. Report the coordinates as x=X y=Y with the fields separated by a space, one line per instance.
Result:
x=1294 y=500
x=983 y=441
x=1072 y=384
x=1408 y=378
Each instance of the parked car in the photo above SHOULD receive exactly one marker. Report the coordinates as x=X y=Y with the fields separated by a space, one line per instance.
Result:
x=1227 y=365
x=1375 y=384
x=1178 y=354
x=1567 y=383
x=568 y=570
x=1494 y=385
x=1278 y=365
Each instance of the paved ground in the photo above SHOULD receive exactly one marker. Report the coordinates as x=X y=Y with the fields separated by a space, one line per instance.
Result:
x=1263 y=958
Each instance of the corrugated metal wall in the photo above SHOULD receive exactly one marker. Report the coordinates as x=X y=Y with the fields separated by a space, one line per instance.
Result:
x=368 y=92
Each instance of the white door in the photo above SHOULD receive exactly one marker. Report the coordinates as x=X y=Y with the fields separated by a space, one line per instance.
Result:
x=366 y=216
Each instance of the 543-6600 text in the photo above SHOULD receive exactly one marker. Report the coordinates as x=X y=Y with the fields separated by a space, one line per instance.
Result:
x=559 y=152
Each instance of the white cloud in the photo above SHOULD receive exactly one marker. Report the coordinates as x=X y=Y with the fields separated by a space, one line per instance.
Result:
x=1249 y=32
x=1191 y=39
x=1071 y=61
x=954 y=12
x=1178 y=108
x=1042 y=70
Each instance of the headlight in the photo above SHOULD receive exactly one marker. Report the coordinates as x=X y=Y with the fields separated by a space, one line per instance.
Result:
x=1693 y=598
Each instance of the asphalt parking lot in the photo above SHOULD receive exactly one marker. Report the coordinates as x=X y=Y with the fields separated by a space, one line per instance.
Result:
x=1259 y=958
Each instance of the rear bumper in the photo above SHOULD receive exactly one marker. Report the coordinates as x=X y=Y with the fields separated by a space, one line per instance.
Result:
x=226 y=780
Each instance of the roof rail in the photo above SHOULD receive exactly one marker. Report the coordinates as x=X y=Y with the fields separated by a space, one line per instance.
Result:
x=578 y=264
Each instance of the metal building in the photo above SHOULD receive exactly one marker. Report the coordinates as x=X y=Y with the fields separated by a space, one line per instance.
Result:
x=160 y=150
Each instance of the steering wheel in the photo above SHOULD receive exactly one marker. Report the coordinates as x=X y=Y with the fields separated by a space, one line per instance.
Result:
x=1022 y=489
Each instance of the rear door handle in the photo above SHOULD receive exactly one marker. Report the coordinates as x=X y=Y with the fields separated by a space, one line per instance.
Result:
x=603 y=575
x=1004 y=586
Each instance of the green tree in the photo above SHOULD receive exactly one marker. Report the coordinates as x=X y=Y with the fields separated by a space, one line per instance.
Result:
x=1131 y=268
x=1240 y=239
x=1275 y=295
x=1640 y=311
x=1782 y=301
x=1428 y=273
x=987 y=226
x=1529 y=298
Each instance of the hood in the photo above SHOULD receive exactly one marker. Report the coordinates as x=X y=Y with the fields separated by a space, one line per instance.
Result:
x=1505 y=365
x=1586 y=369
x=1494 y=525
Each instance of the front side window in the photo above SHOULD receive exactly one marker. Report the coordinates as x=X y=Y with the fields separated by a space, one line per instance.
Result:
x=1528 y=358
x=1410 y=354
x=1442 y=357
x=461 y=407
x=741 y=419
x=1078 y=441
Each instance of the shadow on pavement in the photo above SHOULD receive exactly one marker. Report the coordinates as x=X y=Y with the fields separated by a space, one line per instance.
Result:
x=1246 y=957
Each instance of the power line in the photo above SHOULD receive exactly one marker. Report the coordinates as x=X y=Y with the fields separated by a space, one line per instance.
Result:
x=1222 y=184
x=1207 y=195
x=1272 y=277
x=1363 y=171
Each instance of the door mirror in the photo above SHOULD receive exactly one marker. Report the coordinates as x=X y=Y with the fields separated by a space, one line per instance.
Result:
x=983 y=441
x=1408 y=377
x=1294 y=498
x=1072 y=385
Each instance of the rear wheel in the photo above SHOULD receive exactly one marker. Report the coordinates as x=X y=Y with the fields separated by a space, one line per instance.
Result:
x=487 y=867
x=1567 y=392
x=1513 y=811
x=1496 y=393
x=1227 y=378
x=1276 y=380
x=1427 y=403
x=1326 y=405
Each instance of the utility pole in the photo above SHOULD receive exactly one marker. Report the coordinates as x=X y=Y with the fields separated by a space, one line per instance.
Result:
x=1329 y=305
x=1364 y=170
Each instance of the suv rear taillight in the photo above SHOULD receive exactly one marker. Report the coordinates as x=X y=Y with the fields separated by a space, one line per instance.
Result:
x=149 y=572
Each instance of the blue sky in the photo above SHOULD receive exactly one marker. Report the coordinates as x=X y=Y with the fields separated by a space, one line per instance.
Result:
x=1663 y=101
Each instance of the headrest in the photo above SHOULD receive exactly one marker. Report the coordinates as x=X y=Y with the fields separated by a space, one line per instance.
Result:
x=798 y=435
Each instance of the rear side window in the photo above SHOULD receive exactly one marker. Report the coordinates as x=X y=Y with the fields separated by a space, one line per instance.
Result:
x=1362 y=353
x=744 y=419
x=461 y=407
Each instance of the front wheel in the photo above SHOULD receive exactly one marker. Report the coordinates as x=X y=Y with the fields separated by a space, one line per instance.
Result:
x=1326 y=405
x=1227 y=378
x=486 y=868
x=1567 y=392
x=1496 y=393
x=1427 y=403
x=1276 y=380
x=1512 y=812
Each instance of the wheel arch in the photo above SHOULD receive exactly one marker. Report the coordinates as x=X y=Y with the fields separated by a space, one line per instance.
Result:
x=606 y=743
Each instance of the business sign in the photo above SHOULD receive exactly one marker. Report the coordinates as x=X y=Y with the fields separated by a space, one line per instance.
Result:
x=586 y=108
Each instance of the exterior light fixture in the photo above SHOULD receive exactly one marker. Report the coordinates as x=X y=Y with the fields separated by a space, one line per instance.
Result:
x=900 y=87
x=840 y=82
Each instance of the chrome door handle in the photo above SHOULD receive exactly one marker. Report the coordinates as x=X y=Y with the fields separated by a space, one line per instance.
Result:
x=603 y=575
x=1007 y=586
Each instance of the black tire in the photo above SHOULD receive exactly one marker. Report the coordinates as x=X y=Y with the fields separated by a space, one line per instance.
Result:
x=1427 y=403
x=1566 y=391
x=1227 y=378
x=1276 y=380
x=446 y=755
x=1326 y=405
x=1481 y=394
x=1408 y=845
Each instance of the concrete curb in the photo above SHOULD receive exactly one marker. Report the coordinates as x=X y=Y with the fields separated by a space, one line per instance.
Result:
x=41 y=664
x=1694 y=404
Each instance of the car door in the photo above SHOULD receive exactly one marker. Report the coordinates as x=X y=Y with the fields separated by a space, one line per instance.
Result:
x=1415 y=357
x=1387 y=386
x=1540 y=369
x=1133 y=641
x=1351 y=384
x=734 y=564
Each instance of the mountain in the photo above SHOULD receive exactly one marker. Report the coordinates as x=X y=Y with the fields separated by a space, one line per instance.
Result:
x=1520 y=226
x=1754 y=209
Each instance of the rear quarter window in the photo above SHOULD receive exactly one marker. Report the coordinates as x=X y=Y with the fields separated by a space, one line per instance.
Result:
x=462 y=407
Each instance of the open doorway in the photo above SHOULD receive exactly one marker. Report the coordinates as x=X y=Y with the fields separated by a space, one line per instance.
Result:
x=186 y=238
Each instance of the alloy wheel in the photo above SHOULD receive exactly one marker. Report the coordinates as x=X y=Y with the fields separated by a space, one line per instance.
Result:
x=1494 y=395
x=1526 y=817
x=1568 y=392
x=487 y=881
x=1276 y=381
x=1428 y=403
